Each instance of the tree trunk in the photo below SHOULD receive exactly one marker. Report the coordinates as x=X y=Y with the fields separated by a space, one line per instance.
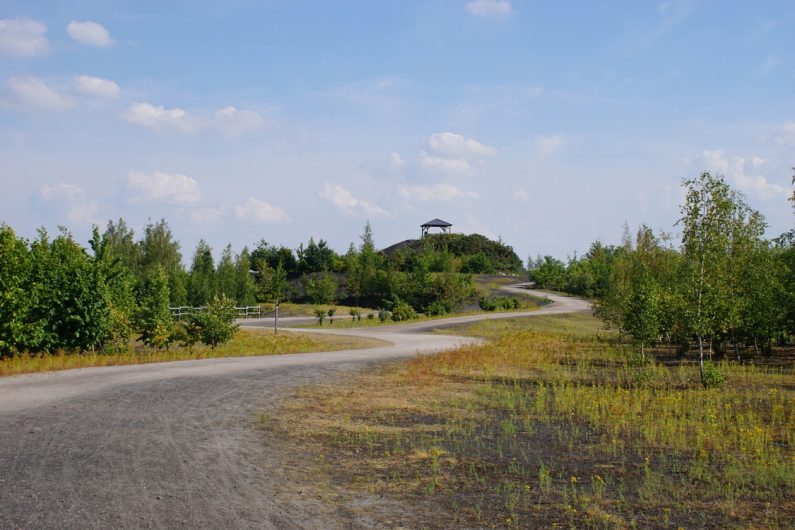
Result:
x=700 y=357
x=276 y=320
x=737 y=349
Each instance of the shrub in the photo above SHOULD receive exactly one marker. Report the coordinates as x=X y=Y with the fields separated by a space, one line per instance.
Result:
x=713 y=378
x=216 y=324
x=437 y=308
x=486 y=304
x=403 y=311
x=383 y=315
x=370 y=316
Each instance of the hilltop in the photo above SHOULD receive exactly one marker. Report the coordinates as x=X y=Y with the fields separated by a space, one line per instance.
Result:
x=474 y=252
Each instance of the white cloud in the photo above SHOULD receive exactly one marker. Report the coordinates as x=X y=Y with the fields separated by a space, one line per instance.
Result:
x=72 y=201
x=260 y=212
x=489 y=8
x=521 y=195
x=90 y=33
x=158 y=186
x=396 y=161
x=439 y=192
x=445 y=165
x=785 y=135
x=233 y=122
x=229 y=121
x=160 y=119
x=97 y=87
x=342 y=199
x=34 y=92
x=448 y=143
x=736 y=168
x=23 y=37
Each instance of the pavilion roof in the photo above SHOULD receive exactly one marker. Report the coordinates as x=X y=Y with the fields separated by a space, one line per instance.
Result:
x=435 y=223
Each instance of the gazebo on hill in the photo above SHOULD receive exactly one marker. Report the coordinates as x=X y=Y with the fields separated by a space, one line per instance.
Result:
x=436 y=223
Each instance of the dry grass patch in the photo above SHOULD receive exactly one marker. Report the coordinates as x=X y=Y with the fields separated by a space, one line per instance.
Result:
x=553 y=425
x=246 y=342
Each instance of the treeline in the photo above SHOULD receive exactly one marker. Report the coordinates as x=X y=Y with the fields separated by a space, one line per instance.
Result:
x=722 y=286
x=57 y=295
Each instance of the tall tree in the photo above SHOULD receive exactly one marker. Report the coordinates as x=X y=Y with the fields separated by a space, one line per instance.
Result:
x=17 y=331
x=245 y=285
x=121 y=243
x=153 y=318
x=201 y=281
x=226 y=274
x=706 y=230
x=158 y=247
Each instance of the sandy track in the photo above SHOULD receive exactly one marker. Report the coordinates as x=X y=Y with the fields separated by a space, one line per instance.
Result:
x=175 y=445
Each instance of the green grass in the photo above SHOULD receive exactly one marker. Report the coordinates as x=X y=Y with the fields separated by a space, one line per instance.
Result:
x=557 y=423
x=246 y=342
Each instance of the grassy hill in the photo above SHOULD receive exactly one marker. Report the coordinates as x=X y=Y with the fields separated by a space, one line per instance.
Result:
x=474 y=253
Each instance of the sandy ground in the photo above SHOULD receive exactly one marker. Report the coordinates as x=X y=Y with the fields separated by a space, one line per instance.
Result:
x=177 y=445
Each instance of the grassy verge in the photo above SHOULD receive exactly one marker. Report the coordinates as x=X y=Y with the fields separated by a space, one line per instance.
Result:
x=551 y=425
x=246 y=342
x=344 y=321
x=289 y=309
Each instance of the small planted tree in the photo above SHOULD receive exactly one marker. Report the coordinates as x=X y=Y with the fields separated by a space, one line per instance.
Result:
x=320 y=314
x=274 y=289
x=331 y=312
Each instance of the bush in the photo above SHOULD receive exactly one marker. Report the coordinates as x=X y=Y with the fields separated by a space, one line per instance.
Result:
x=403 y=311
x=383 y=315
x=355 y=314
x=370 y=316
x=486 y=304
x=713 y=378
x=436 y=309
x=216 y=324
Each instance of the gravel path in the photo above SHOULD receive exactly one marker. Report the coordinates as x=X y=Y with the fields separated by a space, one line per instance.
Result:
x=176 y=445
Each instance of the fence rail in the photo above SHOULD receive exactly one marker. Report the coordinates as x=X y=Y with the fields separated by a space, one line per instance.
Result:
x=251 y=311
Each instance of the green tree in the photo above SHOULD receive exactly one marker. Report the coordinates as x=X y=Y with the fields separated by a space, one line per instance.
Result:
x=321 y=289
x=245 y=285
x=17 y=330
x=153 y=319
x=201 y=281
x=116 y=280
x=274 y=289
x=641 y=317
x=121 y=243
x=226 y=274
x=706 y=230
x=159 y=247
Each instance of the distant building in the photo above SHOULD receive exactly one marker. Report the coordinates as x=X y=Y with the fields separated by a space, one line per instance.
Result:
x=436 y=223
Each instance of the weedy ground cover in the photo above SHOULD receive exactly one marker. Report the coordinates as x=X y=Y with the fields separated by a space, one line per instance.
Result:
x=554 y=423
x=246 y=342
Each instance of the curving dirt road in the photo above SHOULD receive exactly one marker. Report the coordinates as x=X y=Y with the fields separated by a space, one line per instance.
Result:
x=177 y=444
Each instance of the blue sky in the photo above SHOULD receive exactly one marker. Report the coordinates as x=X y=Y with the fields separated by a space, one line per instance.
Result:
x=548 y=124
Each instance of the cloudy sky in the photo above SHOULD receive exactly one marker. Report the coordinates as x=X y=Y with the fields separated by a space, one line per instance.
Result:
x=548 y=124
